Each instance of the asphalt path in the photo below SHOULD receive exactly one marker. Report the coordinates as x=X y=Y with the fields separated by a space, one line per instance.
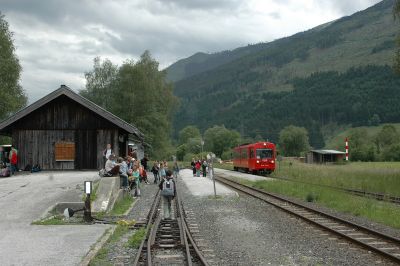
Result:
x=25 y=198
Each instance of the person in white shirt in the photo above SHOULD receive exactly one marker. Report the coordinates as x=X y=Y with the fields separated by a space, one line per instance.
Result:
x=107 y=152
x=112 y=169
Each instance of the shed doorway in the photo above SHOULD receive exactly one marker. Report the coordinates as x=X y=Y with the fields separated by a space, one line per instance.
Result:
x=86 y=149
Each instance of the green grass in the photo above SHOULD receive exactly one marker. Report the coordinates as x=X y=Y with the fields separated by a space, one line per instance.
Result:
x=380 y=177
x=101 y=258
x=136 y=239
x=226 y=166
x=377 y=211
x=121 y=206
x=93 y=196
x=119 y=231
x=54 y=220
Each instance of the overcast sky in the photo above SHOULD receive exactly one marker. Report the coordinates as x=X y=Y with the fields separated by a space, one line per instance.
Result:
x=56 y=40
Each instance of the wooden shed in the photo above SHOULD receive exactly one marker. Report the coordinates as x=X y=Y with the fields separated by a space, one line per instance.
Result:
x=324 y=156
x=64 y=130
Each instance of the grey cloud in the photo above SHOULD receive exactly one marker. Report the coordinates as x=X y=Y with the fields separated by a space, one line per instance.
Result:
x=347 y=7
x=57 y=40
x=203 y=4
x=275 y=15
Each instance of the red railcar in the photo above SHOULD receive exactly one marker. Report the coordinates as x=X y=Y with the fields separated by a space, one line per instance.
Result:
x=257 y=157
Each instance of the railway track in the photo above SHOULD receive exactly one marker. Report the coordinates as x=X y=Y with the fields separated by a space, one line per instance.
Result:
x=357 y=192
x=168 y=241
x=361 y=193
x=370 y=239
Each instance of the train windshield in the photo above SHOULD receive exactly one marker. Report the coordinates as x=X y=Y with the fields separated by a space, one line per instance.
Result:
x=264 y=153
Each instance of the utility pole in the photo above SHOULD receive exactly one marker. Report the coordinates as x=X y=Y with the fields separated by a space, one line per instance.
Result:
x=212 y=156
x=202 y=144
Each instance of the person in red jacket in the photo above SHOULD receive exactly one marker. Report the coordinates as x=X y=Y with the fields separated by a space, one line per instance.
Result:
x=13 y=157
x=198 y=166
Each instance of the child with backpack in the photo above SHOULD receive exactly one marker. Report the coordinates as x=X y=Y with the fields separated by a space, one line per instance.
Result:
x=204 y=168
x=168 y=193
x=154 y=170
x=136 y=179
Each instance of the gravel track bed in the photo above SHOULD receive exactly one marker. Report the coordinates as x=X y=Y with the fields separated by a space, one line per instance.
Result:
x=246 y=231
x=356 y=219
x=119 y=253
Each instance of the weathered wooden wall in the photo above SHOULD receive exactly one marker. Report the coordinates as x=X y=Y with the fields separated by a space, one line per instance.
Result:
x=37 y=147
x=63 y=113
x=65 y=120
x=105 y=137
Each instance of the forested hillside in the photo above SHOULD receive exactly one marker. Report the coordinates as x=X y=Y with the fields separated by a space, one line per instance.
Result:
x=338 y=73
x=359 y=96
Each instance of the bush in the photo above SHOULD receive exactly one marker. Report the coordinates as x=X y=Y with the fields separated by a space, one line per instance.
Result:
x=181 y=151
x=226 y=155
x=311 y=197
x=188 y=157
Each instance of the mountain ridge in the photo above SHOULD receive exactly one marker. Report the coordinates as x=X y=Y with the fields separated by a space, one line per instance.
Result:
x=232 y=92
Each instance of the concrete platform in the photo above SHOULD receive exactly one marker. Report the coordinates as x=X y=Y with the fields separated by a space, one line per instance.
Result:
x=203 y=186
x=228 y=174
x=23 y=199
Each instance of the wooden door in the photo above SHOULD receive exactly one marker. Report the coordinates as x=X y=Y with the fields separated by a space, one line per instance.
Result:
x=86 y=149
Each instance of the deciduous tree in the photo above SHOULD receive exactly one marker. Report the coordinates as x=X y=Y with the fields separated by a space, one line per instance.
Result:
x=12 y=96
x=138 y=93
x=293 y=140
x=187 y=133
x=219 y=139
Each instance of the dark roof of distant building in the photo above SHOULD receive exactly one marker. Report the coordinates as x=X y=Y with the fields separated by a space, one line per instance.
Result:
x=64 y=90
x=328 y=152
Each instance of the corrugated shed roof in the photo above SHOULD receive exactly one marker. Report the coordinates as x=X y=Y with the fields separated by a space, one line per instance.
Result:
x=328 y=152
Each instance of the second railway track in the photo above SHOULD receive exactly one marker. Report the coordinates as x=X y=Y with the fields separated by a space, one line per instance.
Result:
x=357 y=192
x=370 y=239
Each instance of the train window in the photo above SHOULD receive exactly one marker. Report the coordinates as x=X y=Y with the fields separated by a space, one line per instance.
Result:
x=264 y=153
x=244 y=154
x=251 y=153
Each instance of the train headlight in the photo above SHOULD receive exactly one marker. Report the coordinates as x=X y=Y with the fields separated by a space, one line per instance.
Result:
x=272 y=161
x=258 y=161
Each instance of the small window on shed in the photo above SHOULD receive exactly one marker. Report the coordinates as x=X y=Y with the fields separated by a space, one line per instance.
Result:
x=65 y=151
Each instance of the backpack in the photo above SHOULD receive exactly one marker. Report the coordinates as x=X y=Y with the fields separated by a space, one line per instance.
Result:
x=28 y=168
x=36 y=168
x=168 y=188
x=5 y=172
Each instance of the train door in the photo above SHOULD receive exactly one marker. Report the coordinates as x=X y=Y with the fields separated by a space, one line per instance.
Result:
x=251 y=159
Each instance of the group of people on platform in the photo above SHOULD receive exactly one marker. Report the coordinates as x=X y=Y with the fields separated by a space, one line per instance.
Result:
x=133 y=172
x=199 y=167
x=8 y=162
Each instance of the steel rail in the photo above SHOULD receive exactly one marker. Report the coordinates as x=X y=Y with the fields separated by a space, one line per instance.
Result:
x=357 y=192
x=305 y=212
x=184 y=233
x=149 y=230
x=152 y=226
x=188 y=235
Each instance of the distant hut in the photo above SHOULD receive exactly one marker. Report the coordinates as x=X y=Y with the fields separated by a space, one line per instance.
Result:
x=324 y=156
x=64 y=130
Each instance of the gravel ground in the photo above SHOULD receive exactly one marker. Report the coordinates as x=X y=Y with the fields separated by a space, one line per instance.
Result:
x=245 y=231
x=119 y=253
x=356 y=219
